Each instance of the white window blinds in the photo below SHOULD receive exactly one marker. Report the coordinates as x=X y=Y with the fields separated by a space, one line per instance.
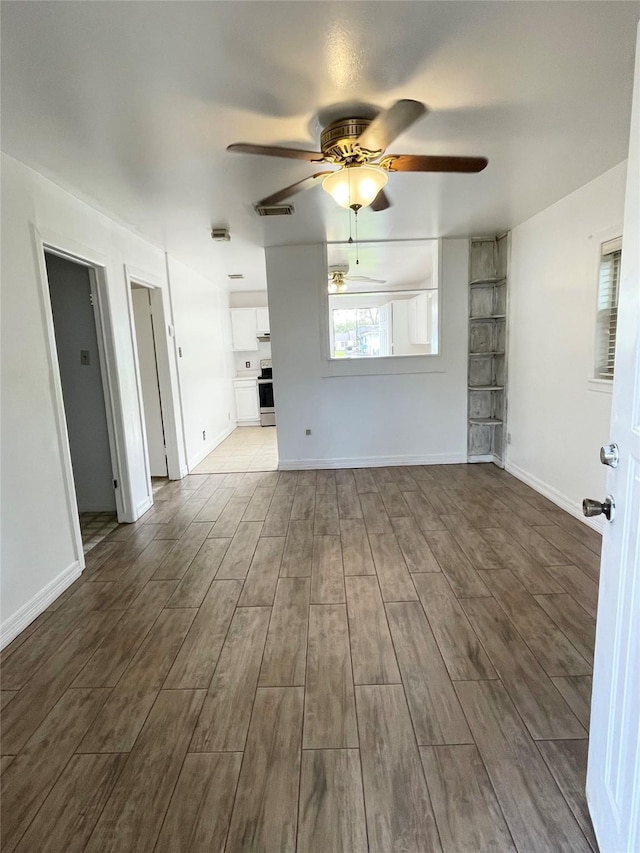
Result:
x=607 y=309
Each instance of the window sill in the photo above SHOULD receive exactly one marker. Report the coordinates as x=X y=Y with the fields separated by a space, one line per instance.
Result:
x=602 y=386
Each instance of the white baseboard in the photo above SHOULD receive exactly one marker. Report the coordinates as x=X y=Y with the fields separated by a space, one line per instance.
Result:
x=12 y=626
x=372 y=461
x=565 y=503
x=209 y=446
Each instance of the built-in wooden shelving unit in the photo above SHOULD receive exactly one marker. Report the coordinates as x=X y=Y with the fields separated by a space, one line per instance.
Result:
x=487 y=385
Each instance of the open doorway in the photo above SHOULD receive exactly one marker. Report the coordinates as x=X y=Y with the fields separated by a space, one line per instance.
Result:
x=145 y=341
x=81 y=377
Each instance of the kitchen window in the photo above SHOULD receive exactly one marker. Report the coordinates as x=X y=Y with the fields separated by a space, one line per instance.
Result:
x=607 y=308
x=383 y=300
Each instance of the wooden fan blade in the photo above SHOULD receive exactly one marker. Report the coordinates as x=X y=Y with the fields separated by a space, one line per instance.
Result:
x=276 y=151
x=365 y=278
x=389 y=124
x=428 y=163
x=381 y=201
x=287 y=192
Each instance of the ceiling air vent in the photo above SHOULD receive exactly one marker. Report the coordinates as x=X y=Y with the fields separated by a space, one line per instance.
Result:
x=274 y=209
x=221 y=235
x=235 y=276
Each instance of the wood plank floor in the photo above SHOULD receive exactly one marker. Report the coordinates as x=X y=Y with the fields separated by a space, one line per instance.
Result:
x=388 y=659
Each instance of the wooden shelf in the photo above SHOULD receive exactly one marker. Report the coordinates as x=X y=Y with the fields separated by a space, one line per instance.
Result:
x=486 y=387
x=489 y=317
x=478 y=354
x=485 y=421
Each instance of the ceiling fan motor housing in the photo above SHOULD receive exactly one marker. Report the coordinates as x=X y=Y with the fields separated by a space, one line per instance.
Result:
x=339 y=141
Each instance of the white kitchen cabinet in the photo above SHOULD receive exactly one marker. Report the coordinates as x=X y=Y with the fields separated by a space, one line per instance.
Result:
x=421 y=318
x=244 y=329
x=262 y=320
x=247 y=406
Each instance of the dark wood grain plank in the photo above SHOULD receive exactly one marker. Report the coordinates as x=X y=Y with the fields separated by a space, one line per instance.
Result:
x=200 y=810
x=375 y=516
x=391 y=569
x=196 y=661
x=226 y=712
x=118 y=724
x=542 y=708
x=348 y=501
x=331 y=802
x=262 y=578
x=265 y=811
x=435 y=710
x=464 y=579
x=534 y=577
x=567 y=760
x=577 y=694
x=577 y=554
x=461 y=650
x=298 y=550
x=573 y=621
x=467 y=813
x=285 y=655
x=27 y=781
x=417 y=554
x=356 y=551
x=550 y=646
x=110 y=660
x=582 y=588
x=372 y=654
x=304 y=501
x=325 y=519
x=327 y=573
x=399 y=815
x=237 y=560
x=277 y=519
x=133 y=815
x=329 y=712
x=179 y=558
x=536 y=813
x=70 y=812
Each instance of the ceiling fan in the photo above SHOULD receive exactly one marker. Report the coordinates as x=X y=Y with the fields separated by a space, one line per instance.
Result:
x=338 y=278
x=357 y=147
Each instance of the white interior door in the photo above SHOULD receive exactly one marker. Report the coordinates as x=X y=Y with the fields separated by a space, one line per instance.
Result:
x=140 y=297
x=613 y=775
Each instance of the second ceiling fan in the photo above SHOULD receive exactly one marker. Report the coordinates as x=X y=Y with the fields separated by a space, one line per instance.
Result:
x=357 y=146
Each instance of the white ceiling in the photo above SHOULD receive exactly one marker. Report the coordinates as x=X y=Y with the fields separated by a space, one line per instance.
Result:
x=132 y=104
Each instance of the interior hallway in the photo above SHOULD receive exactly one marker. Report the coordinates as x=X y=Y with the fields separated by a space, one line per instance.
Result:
x=248 y=448
x=371 y=659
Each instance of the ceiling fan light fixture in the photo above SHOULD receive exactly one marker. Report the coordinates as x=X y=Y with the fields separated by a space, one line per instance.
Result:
x=355 y=185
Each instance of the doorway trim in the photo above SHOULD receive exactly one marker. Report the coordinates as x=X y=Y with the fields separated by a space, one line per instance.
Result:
x=162 y=328
x=96 y=264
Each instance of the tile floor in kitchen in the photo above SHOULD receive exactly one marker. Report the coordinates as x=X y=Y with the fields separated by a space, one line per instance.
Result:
x=248 y=448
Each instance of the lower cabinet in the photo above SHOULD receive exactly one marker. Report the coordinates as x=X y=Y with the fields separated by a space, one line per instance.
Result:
x=247 y=406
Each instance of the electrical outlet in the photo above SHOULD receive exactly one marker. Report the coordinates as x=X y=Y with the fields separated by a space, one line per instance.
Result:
x=180 y=352
x=84 y=356
x=247 y=364
x=307 y=432
x=204 y=435
x=508 y=438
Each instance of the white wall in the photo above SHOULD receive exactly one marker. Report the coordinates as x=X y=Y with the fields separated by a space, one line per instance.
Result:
x=391 y=418
x=248 y=299
x=206 y=367
x=558 y=418
x=39 y=550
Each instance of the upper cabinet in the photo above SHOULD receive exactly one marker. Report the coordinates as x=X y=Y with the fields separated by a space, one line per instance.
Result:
x=246 y=325
x=262 y=320
x=244 y=329
x=421 y=317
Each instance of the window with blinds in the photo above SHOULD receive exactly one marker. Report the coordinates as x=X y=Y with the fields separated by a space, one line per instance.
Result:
x=607 y=310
